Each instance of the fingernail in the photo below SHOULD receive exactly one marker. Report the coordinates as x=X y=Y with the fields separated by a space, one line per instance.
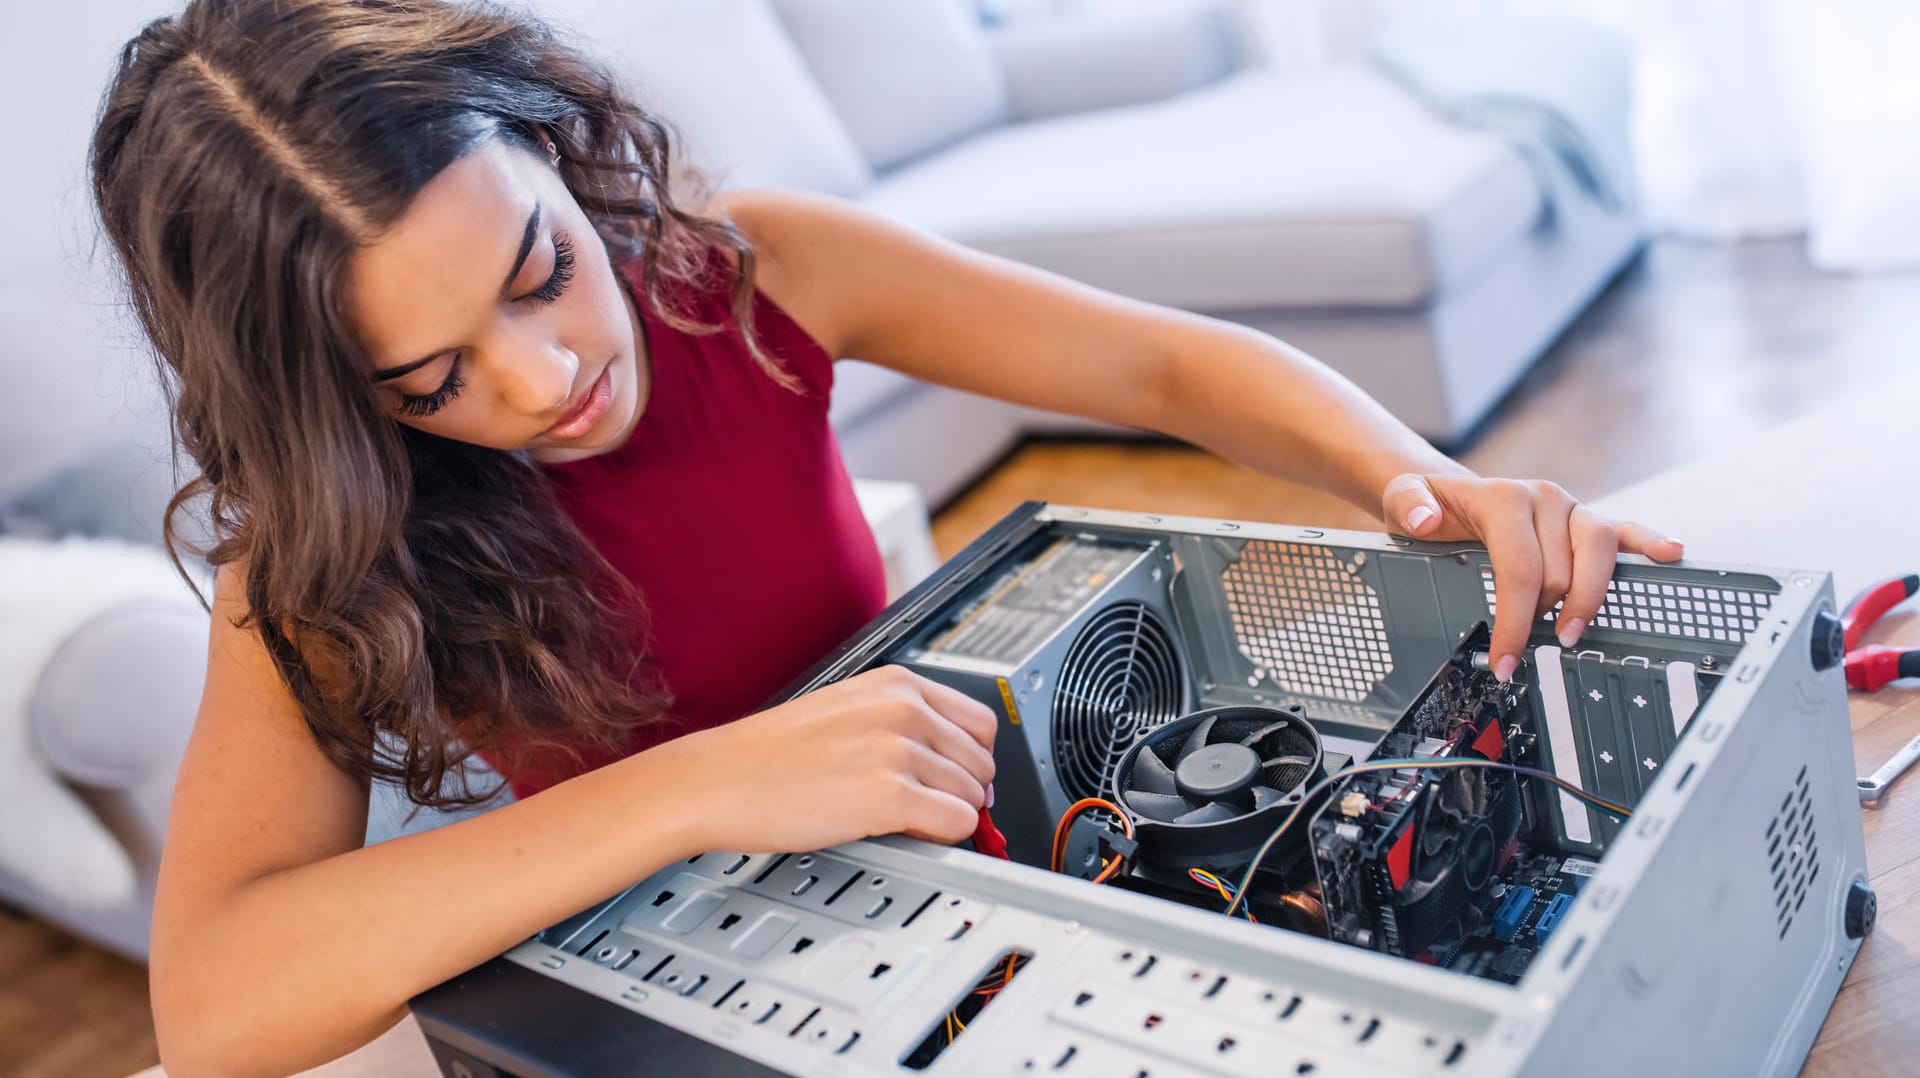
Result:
x=989 y=795
x=1570 y=631
x=1675 y=542
x=1420 y=515
x=1503 y=670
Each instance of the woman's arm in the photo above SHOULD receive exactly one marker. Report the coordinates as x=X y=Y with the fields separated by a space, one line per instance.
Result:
x=280 y=943
x=875 y=290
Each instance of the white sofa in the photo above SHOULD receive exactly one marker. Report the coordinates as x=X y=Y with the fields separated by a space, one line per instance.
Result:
x=1126 y=145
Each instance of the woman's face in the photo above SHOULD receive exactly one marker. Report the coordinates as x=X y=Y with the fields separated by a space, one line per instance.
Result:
x=493 y=316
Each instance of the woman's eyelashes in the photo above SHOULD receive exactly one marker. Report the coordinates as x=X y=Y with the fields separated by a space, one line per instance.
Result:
x=420 y=405
x=562 y=270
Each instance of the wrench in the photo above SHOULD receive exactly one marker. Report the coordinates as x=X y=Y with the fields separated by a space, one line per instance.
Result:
x=1875 y=785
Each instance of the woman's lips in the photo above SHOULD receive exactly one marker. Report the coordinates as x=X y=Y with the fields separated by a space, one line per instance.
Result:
x=582 y=418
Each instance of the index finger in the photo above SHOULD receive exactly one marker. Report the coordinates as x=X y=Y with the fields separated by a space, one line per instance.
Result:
x=1517 y=574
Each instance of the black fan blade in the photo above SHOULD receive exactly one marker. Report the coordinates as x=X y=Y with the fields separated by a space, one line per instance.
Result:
x=1196 y=740
x=1211 y=812
x=1158 y=806
x=1266 y=795
x=1257 y=736
x=1152 y=775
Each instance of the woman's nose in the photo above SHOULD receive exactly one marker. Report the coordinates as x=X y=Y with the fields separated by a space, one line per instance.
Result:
x=536 y=380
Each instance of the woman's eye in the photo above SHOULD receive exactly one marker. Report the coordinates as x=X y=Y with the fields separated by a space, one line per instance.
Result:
x=420 y=405
x=562 y=270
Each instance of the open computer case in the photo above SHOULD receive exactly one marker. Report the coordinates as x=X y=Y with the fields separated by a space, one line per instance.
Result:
x=1210 y=680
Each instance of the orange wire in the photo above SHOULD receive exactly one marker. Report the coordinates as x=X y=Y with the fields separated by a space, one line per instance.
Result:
x=1073 y=811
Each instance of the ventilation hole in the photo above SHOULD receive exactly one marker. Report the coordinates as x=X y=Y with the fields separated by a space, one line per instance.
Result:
x=1306 y=619
x=878 y=970
x=835 y=897
x=1082 y=999
x=915 y=915
x=1214 y=990
x=729 y=921
x=738 y=864
x=1226 y=1044
x=662 y=899
x=1373 y=1026
x=588 y=946
x=1729 y=614
x=1292 y=1006
x=1794 y=851
x=801 y=944
x=771 y=865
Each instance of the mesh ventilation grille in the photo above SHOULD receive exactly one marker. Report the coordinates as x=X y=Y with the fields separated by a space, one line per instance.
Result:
x=1121 y=678
x=1670 y=609
x=1304 y=617
x=1793 y=851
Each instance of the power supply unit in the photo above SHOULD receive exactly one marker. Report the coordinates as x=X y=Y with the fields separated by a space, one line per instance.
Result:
x=1324 y=839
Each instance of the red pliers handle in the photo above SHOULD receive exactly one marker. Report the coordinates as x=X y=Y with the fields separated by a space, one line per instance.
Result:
x=1874 y=665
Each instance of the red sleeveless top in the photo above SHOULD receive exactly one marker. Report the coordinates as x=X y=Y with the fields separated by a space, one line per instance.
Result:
x=731 y=511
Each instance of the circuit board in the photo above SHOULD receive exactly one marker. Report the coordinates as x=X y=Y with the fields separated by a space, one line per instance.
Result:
x=1526 y=906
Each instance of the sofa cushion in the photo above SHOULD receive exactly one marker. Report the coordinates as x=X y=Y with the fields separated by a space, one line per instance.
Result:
x=907 y=76
x=1122 y=52
x=1324 y=189
x=727 y=78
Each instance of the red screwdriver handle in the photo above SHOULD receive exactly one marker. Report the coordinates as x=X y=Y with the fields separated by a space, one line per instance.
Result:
x=987 y=838
x=1866 y=607
x=1873 y=666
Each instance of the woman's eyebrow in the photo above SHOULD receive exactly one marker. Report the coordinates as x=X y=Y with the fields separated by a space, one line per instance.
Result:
x=506 y=288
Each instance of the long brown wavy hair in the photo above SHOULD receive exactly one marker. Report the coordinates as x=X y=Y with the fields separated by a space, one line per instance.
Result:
x=422 y=599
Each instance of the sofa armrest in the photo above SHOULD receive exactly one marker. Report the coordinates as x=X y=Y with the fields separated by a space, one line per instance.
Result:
x=1112 y=54
x=114 y=705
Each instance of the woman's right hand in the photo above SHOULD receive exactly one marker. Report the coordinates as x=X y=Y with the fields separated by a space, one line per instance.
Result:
x=882 y=752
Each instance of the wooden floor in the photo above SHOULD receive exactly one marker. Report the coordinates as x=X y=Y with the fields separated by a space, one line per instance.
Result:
x=68 y=1010
x=1692 y=347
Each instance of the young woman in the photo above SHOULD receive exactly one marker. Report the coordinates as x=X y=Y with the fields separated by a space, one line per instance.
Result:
x=508 y=451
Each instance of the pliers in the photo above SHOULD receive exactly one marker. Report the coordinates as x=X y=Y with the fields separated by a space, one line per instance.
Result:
x=1874 y=665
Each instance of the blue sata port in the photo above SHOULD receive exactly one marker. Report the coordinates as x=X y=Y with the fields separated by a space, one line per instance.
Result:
x=1513 y=910
x=1551 y=917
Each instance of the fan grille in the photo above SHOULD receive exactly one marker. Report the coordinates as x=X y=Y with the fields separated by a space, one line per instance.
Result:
x=1122 y=677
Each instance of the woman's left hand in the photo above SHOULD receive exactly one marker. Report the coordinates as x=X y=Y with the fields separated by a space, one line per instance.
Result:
x=1546 y=548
